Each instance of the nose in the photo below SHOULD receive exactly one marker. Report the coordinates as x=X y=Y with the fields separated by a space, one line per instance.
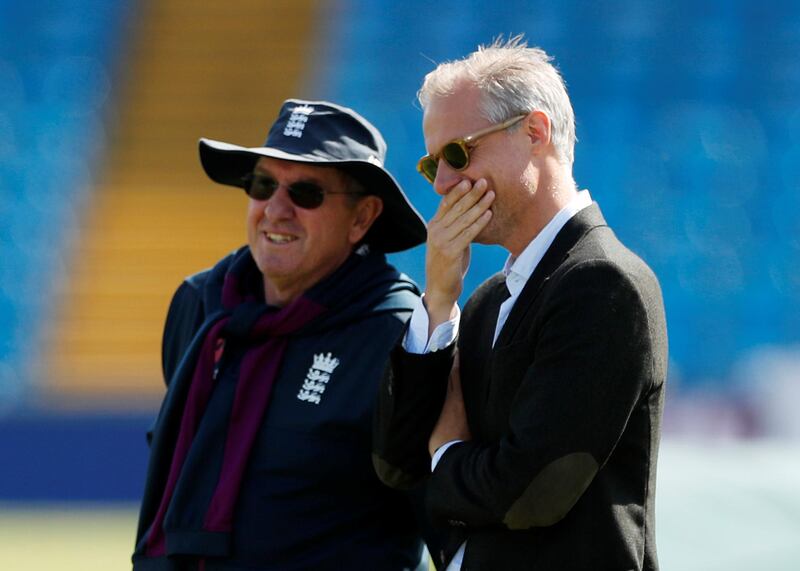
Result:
x=446 y=178
x=279 y=206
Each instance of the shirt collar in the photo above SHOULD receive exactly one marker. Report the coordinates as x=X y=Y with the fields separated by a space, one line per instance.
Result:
x=518 y=270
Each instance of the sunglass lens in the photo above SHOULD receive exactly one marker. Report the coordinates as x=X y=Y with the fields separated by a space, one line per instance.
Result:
x=455 y=155
x=306 y=195
x=261 y=187
x=427 y=167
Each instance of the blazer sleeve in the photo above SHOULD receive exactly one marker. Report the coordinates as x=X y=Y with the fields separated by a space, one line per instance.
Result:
x=410 y=398
x=585 y=365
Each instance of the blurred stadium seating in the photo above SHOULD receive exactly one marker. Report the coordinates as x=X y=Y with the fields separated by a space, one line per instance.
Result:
x=57 y=61
x=689 y=138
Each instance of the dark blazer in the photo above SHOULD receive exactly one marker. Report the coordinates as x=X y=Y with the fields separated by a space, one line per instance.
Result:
x=564 y=410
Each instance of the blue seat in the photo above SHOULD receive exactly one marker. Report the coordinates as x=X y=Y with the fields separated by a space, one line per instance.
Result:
x=54 y=62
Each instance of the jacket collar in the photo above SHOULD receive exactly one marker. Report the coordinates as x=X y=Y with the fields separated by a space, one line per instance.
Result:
x=568 y=237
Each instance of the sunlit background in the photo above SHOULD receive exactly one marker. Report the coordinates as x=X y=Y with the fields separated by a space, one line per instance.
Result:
x=689 y=139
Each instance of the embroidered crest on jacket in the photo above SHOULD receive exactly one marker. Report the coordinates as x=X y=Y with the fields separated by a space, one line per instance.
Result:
x=317 y=378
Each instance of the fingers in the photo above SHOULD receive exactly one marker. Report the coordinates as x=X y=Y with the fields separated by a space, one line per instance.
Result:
x=474 y=224
x=454 y=380
x=462 y=214
x=461 y=199
x=455 y=194
x=452 y=423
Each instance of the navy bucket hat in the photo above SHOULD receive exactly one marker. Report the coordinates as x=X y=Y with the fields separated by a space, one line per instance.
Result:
x=326 y=134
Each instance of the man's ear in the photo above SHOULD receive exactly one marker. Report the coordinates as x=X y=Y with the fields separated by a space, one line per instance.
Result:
x=367 y=210
x=538 y=128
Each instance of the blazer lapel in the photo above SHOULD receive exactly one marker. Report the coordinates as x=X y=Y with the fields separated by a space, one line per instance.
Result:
x=566 y=239
x=475 y=348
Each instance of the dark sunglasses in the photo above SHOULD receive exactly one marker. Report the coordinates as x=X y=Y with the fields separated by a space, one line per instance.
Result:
x=305 y=194
x=456 y=152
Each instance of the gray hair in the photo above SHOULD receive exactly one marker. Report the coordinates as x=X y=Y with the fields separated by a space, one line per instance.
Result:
x=512 y=79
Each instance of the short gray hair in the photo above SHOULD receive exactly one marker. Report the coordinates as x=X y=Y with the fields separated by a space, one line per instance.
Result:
x=512 y=79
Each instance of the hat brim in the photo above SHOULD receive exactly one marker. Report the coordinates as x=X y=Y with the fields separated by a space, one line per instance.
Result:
x=399 y=226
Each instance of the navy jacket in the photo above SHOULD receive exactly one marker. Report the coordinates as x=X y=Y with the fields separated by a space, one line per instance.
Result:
x=310 y=498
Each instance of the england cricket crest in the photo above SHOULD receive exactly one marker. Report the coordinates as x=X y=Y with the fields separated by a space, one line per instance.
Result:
x=317 y=378
x=297 y=121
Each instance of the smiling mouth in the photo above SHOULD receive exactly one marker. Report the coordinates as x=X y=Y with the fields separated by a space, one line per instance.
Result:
x=274 y=238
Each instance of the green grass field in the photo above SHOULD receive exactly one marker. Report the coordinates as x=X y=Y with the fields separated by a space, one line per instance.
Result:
x=88 y=538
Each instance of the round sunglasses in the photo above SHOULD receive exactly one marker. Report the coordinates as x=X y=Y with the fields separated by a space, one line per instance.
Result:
x=305 y=194
x=456 y=152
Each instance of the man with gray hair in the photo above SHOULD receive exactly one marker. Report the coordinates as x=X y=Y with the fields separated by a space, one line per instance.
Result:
x=533 y=416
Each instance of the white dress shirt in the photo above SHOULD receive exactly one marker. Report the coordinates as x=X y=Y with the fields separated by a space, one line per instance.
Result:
x=517 y=271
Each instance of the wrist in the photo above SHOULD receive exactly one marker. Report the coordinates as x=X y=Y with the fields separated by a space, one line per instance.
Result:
x=439 y=310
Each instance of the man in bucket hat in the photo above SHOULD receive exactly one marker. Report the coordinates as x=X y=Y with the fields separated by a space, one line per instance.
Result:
x=260 y=455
